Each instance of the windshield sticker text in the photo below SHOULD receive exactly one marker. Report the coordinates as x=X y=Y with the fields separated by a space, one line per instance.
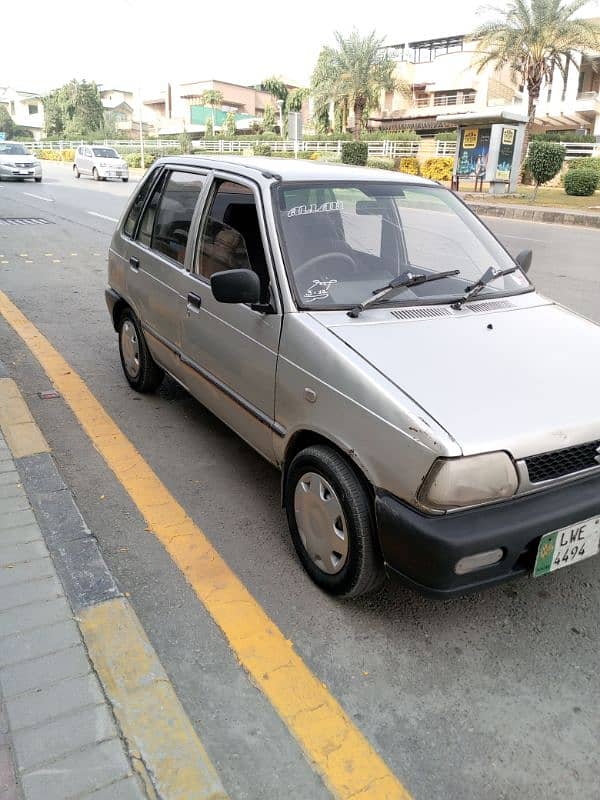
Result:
x=319 y=290
x=313 y=208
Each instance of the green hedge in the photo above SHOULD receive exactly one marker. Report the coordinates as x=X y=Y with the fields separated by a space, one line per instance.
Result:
x=586 y=162
x=564 y=136
x=262 y=149
x=581 y=182
x=355 y=153
x=380 y=163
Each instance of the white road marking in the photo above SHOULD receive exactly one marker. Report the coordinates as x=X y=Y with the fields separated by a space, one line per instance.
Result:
x=103 y=216
x=39 y=197
x=523 y=238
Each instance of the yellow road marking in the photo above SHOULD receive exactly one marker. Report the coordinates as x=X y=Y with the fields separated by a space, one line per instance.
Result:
x=18 y=426
x=150 y=715
x=328 y=737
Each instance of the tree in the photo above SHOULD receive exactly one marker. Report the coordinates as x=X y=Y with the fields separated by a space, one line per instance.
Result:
x=544 y=161
x=228 y=130
x=295 y=99
x=276 y=87
x=74 y=110
x=6 y=123
x=534 y=38
x=209 y=128
x=212 y=98
x=353 y=75
x=268 y=120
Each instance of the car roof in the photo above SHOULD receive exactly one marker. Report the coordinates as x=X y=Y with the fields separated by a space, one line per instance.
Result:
x=292 y=170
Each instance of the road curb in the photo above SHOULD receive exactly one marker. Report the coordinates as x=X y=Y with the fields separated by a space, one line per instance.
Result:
x=530 y=214
x=163 y=746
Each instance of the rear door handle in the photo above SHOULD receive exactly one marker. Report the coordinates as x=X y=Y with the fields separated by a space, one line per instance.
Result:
x=134 y=262
x=194 y=301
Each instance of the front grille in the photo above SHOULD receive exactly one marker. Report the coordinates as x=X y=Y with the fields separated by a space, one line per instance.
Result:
x=558 y=463
x=23 y=166
x=421 y=313
x=490 y=305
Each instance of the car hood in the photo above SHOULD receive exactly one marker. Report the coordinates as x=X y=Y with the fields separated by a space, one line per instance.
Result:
x=525 y=380
x=6 y=158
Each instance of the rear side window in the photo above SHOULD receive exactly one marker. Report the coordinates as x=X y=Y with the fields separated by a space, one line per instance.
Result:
x=174 y=214
x=136 y=208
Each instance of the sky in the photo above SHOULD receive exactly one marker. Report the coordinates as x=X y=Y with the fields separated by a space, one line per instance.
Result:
x=143 y=44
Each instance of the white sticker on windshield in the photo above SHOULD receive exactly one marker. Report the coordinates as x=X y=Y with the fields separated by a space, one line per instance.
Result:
x=313 y=208
x=319 y=290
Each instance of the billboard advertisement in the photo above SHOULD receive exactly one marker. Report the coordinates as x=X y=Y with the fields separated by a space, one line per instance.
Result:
x=506 y=154
x=474 y=151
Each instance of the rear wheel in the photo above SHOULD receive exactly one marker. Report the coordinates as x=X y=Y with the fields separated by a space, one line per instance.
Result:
x=76 y=171
x=124 y=180
x=142 y=372
x=331 y=522
x=38 y=180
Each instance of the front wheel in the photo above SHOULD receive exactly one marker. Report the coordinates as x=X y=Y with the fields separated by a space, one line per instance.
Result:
x=124 y=180
x=96 y=175
x=76 y=171
x=38 y=180
x=331 y=522
x=142 y=372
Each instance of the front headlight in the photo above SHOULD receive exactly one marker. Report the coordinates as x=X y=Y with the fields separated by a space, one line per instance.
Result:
x=469 y=481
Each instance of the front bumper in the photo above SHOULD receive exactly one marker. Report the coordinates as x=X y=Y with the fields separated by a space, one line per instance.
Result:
x=107 y=172
x=423 y=549
x=34 y=171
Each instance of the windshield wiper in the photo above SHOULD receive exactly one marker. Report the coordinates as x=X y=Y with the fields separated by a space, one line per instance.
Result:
x=404 y=281
x=488 y=276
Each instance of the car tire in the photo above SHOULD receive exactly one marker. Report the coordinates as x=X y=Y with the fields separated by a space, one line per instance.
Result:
x=38 y=180
x=319 y=483
x=76 y=171
x=124 y=180
x=95 y=175
x=142 y=372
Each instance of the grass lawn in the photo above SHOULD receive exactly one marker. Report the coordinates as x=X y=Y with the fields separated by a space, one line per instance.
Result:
x=546 y=196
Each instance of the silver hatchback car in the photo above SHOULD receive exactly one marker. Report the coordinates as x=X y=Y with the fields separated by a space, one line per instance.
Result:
x=432 y=415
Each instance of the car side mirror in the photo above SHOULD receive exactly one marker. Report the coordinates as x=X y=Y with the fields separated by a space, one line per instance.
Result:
x=236 y=286
x=524 y=259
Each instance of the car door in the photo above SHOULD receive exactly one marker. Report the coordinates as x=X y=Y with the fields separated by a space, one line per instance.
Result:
x=157 y=255
x=86 y=161
x=229 y=351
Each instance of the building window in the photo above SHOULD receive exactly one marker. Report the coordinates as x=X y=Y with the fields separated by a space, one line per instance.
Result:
x=581 y=82
x=33 y=108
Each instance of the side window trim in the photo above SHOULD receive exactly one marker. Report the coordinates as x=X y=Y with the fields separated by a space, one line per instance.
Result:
x=167 y=170
x=153 y=177
x=217 y=177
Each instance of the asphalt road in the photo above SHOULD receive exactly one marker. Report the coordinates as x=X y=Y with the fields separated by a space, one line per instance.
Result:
x=491 y=696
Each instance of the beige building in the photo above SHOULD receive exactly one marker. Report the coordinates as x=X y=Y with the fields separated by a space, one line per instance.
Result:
x=26 y=109
x=442 y=78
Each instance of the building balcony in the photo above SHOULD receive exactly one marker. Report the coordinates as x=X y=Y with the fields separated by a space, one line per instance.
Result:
x=444 y=100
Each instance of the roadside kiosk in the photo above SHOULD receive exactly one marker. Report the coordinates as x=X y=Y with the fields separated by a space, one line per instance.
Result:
x=488 y=148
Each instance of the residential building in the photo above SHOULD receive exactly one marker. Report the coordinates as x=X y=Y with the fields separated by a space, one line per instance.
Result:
x=442 y=77
x=26 y=109
x=118 y=105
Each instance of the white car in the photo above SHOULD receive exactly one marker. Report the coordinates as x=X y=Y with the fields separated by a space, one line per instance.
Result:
x=100 y=162
x=16 y=162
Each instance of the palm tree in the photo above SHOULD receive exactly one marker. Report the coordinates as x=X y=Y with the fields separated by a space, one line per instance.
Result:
x=533 y=38
x=353 y=75
x=212 y=98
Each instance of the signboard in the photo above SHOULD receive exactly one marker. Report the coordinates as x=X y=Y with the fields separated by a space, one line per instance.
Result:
x=294 y=125
x=2 y=136
x=474 y=151
x=506 y=154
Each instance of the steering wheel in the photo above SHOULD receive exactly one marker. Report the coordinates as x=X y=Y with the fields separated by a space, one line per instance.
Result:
x=300 y=271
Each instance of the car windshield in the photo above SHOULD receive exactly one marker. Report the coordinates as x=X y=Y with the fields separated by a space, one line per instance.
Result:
x=105 y=152
x=12 y=149
x=343 y=241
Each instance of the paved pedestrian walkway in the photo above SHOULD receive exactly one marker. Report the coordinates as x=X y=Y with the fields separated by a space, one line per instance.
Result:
x=58 y=736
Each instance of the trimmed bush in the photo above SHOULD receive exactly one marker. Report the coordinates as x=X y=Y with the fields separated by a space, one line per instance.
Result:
x=544 y=160
x=134 y=159
x=438 y=169
x=581 y=182
x=381 y=163
x=408 y=165
x=261 y=149
x=588 y=162
x=56 y=155
x=355 y=153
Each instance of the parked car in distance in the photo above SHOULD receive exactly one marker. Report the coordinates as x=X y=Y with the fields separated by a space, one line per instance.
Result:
x=431 y=413
x=100 y=162
x=17 y=163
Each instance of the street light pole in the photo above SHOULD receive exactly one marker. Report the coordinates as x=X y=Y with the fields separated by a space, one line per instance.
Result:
x=280 y=107
x=141 y=130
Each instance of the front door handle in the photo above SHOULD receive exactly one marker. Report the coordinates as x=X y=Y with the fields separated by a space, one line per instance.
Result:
x=134 y=262
x=194 y=301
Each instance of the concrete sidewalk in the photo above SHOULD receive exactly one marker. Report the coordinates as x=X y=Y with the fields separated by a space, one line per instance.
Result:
x=58 y=735
x=530 y=213
x=86 y=708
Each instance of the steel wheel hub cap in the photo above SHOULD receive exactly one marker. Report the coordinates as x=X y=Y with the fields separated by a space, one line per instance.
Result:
x=130 y=349
x=321 y=523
